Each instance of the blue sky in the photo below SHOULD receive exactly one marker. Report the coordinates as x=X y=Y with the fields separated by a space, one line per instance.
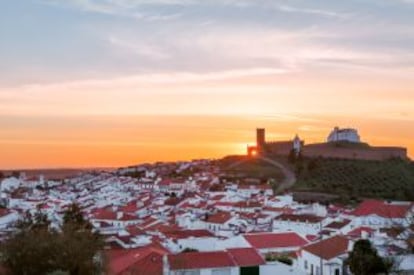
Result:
x=54 y=40
x=142 y=56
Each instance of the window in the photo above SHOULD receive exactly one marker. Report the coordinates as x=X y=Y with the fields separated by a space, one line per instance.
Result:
x=251 y=270
x=306 y=264
x=337 y=271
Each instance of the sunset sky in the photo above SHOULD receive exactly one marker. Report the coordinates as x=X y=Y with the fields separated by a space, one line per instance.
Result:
x=88 y=83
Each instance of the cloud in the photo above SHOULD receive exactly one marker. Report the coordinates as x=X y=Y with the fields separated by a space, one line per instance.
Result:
x=160 y=78
x=145 y=50
x=290 y=9
x=127 y=8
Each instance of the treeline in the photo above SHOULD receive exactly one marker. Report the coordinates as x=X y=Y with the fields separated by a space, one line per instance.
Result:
x=38 y=248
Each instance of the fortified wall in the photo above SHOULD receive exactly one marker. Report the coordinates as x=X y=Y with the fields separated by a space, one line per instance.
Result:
x=341 y=150
x=326 y=150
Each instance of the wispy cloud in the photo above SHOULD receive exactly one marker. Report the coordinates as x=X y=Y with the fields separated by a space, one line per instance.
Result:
x=123 y=8
x=327 y=13
x=142 y=49
x=161 y=78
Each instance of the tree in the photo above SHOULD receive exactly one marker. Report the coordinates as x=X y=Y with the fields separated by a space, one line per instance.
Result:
x=364 y=260
x=73 y=215
x=30 y=250
x=80 y=245
x=16 y=174
x=36 y=248
x=292 y=156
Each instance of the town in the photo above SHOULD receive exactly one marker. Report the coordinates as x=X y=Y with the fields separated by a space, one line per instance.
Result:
x=193 y=218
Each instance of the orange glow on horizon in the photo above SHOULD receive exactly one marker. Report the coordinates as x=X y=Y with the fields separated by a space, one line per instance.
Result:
x=120 y=141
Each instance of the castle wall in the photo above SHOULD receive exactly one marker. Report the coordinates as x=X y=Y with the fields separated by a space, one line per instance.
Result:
x=372 y=153
x=281 y=148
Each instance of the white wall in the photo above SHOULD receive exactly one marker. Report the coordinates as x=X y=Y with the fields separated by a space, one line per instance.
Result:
x=298 y=227
x=276 y=268
x=218 y=271
x=308 y=260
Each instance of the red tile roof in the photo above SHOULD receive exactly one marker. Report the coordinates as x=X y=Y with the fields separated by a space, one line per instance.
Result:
x=200 y=260
x=246 y=257
x=357 y=232
x=4 y=212
x=219 y=218
x=242 y=257
x=382 y=209
x=329 y=248
x=184 y=234
x=303 y=218
x=104 y=214
x=275 y=240
x=248 y=204
x=338 y=224
x=131 y=207
x=139 y=261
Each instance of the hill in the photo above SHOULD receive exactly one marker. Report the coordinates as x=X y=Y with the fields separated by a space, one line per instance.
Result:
x=353 y=179
x=247 y=167
x=53 y=173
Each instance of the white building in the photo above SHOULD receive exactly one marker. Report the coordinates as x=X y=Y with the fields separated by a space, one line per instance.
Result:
x=301 y=224
x=380 y=214
x=346 y=134
x=229 y=262
x=328 y=254
x=10 y=184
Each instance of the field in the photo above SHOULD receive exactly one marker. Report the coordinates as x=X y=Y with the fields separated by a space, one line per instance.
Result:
x=354 y=179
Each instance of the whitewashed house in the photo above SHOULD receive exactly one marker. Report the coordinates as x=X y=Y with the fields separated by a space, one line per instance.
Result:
x=328 y=254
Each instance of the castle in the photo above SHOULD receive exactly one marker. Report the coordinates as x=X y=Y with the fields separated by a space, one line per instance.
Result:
x=341 y=143
x=347 y=134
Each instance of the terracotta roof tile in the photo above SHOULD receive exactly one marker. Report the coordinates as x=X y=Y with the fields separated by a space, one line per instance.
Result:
x=275 y=240
x=329 y=248
x=382 y=209
x=246 y=257
x=200 y=260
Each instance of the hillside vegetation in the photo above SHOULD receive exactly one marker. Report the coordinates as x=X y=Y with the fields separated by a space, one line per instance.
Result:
x=244 y=166
x=354 y=179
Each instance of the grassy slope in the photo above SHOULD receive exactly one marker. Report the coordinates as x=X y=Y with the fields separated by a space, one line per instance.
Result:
x=393 y=179
x=250 y=167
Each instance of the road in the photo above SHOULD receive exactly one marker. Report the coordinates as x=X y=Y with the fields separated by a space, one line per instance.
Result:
x=290 y=177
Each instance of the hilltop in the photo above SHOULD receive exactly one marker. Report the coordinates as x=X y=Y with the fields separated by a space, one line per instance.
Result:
x=353 y=179
x=346 y=179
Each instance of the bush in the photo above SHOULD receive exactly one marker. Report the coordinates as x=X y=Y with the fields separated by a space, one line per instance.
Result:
x=271 y=257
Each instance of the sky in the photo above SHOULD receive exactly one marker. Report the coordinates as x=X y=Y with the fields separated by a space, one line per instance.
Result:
x=99 y=83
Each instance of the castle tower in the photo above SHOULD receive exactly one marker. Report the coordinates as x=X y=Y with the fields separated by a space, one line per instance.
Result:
x=260 y=139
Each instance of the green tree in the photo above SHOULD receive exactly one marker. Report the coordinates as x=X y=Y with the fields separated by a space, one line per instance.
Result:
x=364 y=260
x=81 y=247
x=29 y=250
x=36 y=248
x=292 y=156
